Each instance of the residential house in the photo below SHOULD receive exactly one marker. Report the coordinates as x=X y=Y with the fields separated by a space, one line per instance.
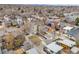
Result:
x=75 y=50
x=54 y=47
x=32 y=51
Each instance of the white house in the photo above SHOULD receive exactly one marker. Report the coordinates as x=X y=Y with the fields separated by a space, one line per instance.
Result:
x=32 y=51
x=19 y=20
x=54 y=47
x=67 y=29
x=75 y=50
x=33 y=28
x=67 y=42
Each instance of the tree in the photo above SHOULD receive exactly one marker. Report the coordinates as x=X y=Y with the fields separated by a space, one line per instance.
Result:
x=77 y=21
x=1 y=9
x=9 y=39
x=61 y=15
x=19 y=8
x=19 y=41
x=35 y=40
x=22 y=11
x=11 y=42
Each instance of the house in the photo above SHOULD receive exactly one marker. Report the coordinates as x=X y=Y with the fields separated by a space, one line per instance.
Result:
x=2 y=32
x=19 y=51
x=53 y=22
x=6 y=17
x=11 y=52
x=71 y=17
x=54 y=47
x=13 y=22
x=1 y=24
x=32 y=51
x=19 y=20
x=37 y=43
x=14 y=31
x=74 y=33
x=67 y=42
x=49 y=37
x=26 y=45
x=48 y=51
x=35 y=40
x=29 y=19
x=33 y=28
x=5 y=51
x=47 y=33
x=75 y=50
x=7 y=20
x=67 y=29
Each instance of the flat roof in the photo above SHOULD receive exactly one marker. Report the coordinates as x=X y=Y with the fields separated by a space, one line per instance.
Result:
x=74 y=32
x=32 y=51
x=67 y=42
x=68 y=28
x=54 y=47
x=75 y=50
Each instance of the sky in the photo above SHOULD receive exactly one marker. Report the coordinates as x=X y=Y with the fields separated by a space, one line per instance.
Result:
x=49 y=2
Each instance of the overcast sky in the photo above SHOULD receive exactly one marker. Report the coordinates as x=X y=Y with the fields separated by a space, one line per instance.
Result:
x=49 y=2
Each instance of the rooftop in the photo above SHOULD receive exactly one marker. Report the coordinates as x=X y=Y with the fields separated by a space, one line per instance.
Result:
x=67 y=42
x=68 y=28
x=75 y=50
x=54 y=47
x=74 y=32
x=32 y=51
